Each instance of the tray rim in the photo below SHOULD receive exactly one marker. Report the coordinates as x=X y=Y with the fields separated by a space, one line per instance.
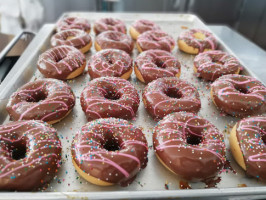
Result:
x=17 y=70
x=159 y=194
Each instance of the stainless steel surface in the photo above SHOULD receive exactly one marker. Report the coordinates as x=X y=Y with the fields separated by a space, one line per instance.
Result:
x=150 y=183
x=4 y=52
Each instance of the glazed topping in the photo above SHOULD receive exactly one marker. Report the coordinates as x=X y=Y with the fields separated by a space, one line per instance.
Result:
x=115 y=40
x=30 y=154
x=73 y=23
x=239 y=95
x=59 y=62
x=109 y=24
x=155 y=40
x=211 y=65
x=200 y=39
x=109 y=62
x=45 y=99
x=167 y=95
x=154 y=64
x=112 y=150
x=109 y=97
x=144 y=25
x=251 y=136
x=190 y=146
x=76 y=38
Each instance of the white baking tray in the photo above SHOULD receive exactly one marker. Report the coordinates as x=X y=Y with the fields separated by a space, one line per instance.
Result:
x=150 y=183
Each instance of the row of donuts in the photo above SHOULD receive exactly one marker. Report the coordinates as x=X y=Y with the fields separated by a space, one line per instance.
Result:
x=94 y=160
x=193 y=41
x=51 y=100
x=111 y=35
x=66 y=62
x=59 y=62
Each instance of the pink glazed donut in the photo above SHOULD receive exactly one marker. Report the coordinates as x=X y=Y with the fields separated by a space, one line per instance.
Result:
x=110 y=62
x=109 y=24
x=109 y=97
x=155 y=40
x=195 y=41
x=210 y=65
x=49 y=100
x=73 y=23
x=141 y=26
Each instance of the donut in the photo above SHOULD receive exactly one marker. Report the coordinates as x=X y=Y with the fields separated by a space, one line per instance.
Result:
x=189 y=146
x=109 y=151
x=109 y=24
x=73 y=23
x=109 y=97
x=170 y=94
x=49 y=100
x=30 y=153
x=153 y=64
x=247 y=144
x=239 y=95
x=210 y=65
x=141 y=26
x=74 y=37
x=110 y=62
x=62 y=62
x=114 y=40
x=155 y=40
x=195 y=41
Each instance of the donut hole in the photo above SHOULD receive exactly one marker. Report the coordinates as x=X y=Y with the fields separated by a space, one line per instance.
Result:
x=18 y=151
x=217 y=61
x=194 y=134
x=173 y=93
x=159 y=63
x=240 y=89
x=111 y=144
x=110 y=61
x=69 y=37
x=263 y=136
x=37 y=97
x=59 y=57
x=194 y=140
x=199 y=36
x=111 y=95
